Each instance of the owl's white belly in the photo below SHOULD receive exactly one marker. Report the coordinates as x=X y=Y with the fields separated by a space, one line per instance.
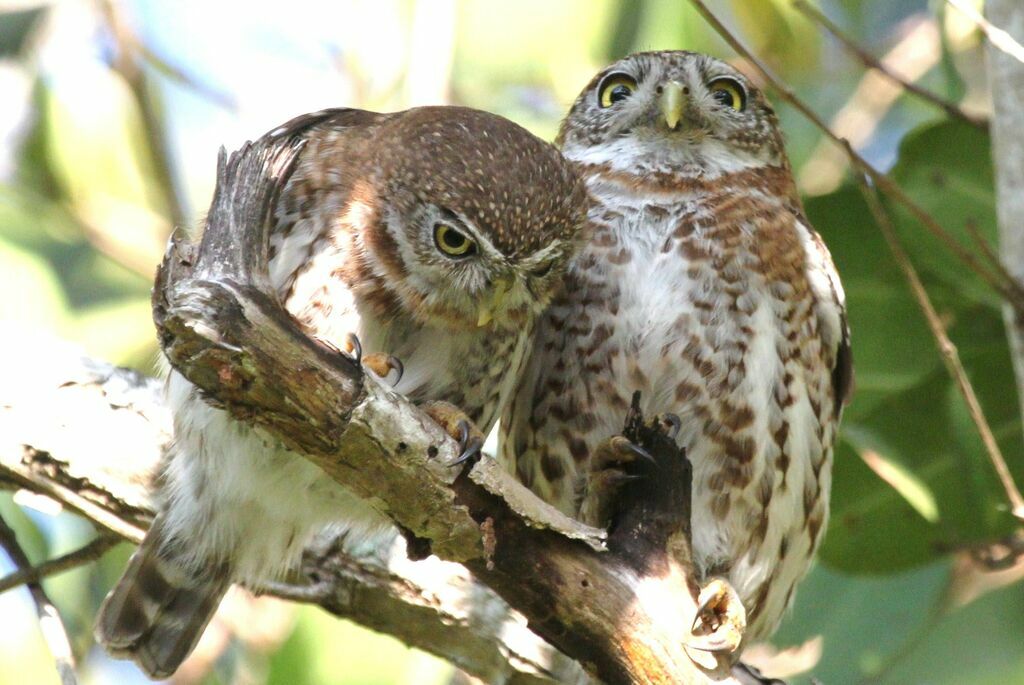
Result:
x=714 y=350
x=236 y=494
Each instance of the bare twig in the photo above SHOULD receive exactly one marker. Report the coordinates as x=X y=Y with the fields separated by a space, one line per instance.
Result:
x=982 y=244
x=872 y=62
x=999 y=280
x=947 y=349
x=91 y=551
x=50 y=623
x=996 y=36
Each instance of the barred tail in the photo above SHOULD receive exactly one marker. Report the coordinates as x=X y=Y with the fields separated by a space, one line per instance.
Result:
x=157 y=612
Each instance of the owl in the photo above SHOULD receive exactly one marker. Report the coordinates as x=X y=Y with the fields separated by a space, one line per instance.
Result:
x=703 y=285
x=433 y=236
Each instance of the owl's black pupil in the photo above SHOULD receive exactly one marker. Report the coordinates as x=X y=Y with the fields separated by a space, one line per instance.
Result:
x=723 y=96
x=619 y=92
x=453 y=239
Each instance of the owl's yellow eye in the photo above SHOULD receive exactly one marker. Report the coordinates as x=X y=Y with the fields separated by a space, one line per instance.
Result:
x=451 y=242
x=729 y=93
x=615 y=88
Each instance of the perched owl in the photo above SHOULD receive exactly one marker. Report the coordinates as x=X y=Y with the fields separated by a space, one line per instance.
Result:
x=434 y=236
x=702 y=285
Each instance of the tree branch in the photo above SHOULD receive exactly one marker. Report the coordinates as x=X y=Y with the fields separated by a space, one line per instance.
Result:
x=54 y=633
x=871 y=62
x=947 y=350
x=1007 y=42
x=91 y=551
x=90 y=436
x=624 y=611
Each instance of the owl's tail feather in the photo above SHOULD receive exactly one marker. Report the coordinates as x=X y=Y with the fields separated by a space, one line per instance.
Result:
x=157 y=612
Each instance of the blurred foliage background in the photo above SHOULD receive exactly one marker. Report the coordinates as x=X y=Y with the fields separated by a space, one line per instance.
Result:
x=111 y=115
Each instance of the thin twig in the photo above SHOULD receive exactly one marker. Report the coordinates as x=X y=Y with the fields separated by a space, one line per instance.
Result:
x=999 y=279
x=990 y=255
x=317 y=593
x=872 y=62
x=998 y=37
x=54 y=633
x=89 y=552
x=946 y=347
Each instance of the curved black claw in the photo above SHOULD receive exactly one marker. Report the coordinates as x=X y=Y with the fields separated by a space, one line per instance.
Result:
x=355 y=347
x=398 y=366
x=469 y=445
x=641 y=452
x=673 y=422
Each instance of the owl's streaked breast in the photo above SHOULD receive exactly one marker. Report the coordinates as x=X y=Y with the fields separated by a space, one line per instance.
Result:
x=698 y=293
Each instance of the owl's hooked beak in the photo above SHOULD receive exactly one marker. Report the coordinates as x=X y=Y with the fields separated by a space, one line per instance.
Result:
x=501 y=288
x=671 y=103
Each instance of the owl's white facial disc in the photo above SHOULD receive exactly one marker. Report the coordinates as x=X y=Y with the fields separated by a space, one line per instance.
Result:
x=672 y=111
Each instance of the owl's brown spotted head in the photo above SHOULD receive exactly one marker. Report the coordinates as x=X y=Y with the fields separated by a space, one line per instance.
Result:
x=465 y=218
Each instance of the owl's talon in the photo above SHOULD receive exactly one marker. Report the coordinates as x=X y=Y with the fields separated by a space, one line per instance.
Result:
x=641 y=452
x=459 y=426
x=720 y=622
x=398 y=367
x=469 y=444
x=354 y=347
x=616 y=452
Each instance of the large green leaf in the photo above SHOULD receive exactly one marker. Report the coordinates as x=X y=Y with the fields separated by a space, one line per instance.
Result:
x=907 y=418
x=863 y=622
x=895 y=629
x=978 y=644
x=947 y=169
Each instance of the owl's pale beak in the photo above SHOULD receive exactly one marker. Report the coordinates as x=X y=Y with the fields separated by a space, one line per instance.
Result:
x=671 y=103
x=487 y=309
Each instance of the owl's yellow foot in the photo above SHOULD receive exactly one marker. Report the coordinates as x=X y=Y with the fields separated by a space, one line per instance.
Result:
x=719 y=624
x=383 y=364
x=606 y=474
x=457 y=424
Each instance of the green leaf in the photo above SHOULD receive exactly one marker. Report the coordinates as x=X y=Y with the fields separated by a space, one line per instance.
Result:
x=978 y=644
x=15 y=28
x=863 y=622
x=947 y=169
x=883 y=461
x=907 y=409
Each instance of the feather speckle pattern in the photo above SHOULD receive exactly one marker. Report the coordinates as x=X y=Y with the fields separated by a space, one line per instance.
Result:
x=436 y=235
x=704 y=286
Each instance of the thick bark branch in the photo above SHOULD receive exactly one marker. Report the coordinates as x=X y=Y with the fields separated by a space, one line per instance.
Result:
x=90 y=436
x=624 y=613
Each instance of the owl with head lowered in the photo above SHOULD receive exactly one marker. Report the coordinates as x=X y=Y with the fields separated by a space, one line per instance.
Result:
x=703 y=285
x=431 y=238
